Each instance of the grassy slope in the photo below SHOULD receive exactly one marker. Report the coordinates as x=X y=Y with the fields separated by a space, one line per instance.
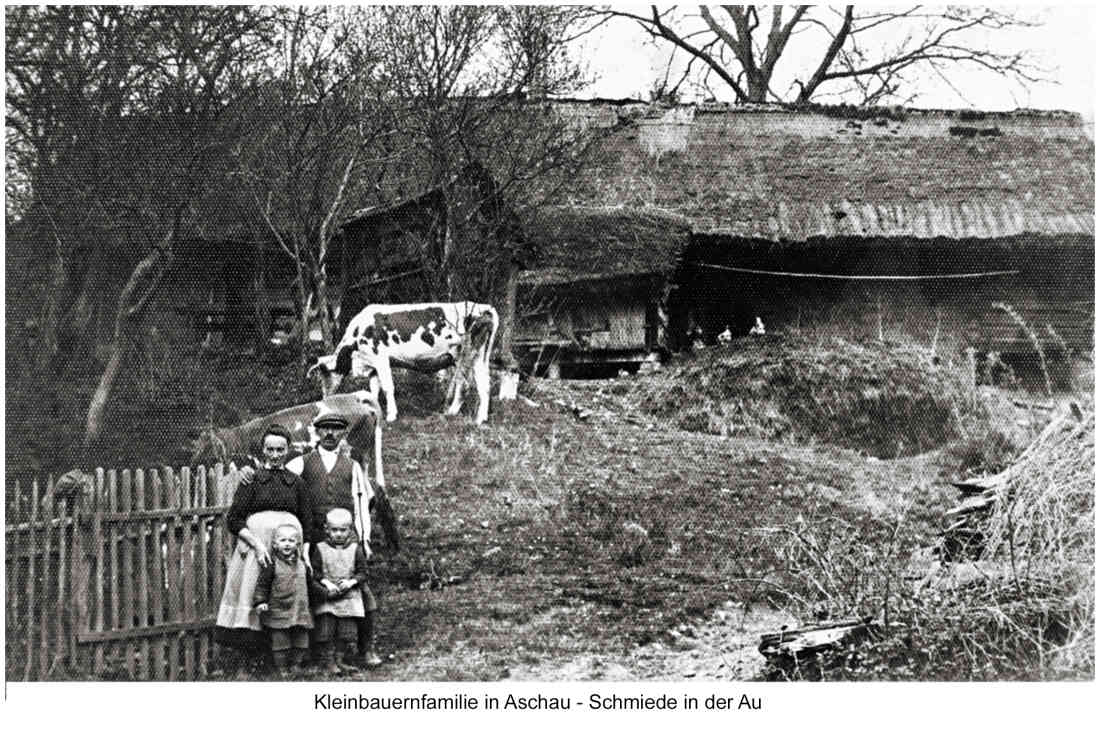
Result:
x=554 y=498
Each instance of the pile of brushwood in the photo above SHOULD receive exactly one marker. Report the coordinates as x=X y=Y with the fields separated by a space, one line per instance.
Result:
x=885 y=398
x=1011 y=595
x=1029 y=533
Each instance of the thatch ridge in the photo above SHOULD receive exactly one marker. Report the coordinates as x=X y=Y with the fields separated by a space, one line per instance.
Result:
x=790 y=174
x=585 y=243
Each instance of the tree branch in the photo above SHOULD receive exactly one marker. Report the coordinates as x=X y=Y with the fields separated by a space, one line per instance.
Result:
x=821 y=73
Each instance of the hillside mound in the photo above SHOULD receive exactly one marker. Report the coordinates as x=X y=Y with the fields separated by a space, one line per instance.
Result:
x=885 y=399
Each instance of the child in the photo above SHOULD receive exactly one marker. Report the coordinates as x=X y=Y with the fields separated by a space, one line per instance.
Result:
x=340 y=571
x=282 y=599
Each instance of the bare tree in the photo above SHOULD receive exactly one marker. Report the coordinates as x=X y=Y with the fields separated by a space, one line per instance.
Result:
x=469 y=89
x=304 y=169
x=118 y=114
x=864 y=56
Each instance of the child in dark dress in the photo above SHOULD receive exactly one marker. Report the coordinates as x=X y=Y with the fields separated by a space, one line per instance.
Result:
x=339 y=565
x=282 y=600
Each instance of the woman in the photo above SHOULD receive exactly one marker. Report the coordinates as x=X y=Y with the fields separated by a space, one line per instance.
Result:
x=273 y=497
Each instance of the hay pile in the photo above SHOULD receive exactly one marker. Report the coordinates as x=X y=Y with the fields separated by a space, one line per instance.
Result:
x=1042 y=533
x=886 y=399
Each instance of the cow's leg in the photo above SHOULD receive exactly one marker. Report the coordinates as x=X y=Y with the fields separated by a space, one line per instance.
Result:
x=457 y=380
x=373 y=386
x=482 y=381
x=385 y=383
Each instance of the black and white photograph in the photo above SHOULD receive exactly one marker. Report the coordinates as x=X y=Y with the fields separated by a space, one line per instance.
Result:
x=522 y=344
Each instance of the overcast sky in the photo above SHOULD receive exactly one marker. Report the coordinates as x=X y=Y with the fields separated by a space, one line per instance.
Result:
x=627 y=64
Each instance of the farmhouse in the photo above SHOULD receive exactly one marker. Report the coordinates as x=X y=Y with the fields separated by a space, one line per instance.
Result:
x=951 y=228
x=975 y=217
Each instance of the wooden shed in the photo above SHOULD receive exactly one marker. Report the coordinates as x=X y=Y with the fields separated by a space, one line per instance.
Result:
x=396 y=252
x=980 y=221
x=593 y=301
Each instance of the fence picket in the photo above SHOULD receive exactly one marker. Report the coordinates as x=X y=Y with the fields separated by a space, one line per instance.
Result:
x=156 y=643
x=187 y=569
x=142 y=582
x=123 y=580
x=14 y=569
x=80 y=573
x=218 y=533
x=45 y=618
x=112 y=537
x=32 y=551
x=202 y=579
x=100 y=555
x=126 y=580
x=173 y=587
x=63 y=615
x=111 y=568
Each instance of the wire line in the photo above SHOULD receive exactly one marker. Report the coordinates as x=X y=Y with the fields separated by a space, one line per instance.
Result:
x=913 y=277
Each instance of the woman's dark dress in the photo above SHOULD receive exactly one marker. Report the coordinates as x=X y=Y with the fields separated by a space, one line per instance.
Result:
x=274 y=497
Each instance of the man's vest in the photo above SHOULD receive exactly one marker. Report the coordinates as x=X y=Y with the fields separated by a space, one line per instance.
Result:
x=327 y=490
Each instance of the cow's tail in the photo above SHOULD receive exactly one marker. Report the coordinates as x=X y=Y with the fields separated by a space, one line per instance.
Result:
x=383 y=508
x=379 y=476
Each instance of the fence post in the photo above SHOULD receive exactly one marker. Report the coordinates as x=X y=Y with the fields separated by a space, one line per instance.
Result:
x=79 y=572
x=46 y=618
x=202 y=579
x=100 y=502
x=173 y=500
x=32 y=551
x=142 y=570
x=187 y=575
x=13 y=569
x=158 y=570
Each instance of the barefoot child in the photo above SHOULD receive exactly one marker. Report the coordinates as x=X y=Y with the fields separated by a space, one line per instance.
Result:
x=340 y=568
x=282 y=599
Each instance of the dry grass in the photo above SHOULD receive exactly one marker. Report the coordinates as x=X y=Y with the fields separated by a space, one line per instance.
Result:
x=1024 y=610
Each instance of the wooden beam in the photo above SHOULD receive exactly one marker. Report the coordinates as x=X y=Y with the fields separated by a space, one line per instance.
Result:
x=151 y=631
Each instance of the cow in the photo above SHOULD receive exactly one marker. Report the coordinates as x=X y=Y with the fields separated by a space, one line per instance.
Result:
x=424 y=337
x=364 y=433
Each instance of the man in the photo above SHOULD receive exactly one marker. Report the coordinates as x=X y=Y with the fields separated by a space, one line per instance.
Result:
x=334 y=479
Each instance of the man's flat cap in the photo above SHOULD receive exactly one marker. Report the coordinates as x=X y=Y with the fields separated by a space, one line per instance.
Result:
x=330 y=419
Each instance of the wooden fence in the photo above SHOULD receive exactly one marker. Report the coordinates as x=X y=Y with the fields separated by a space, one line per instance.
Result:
x=121 y=581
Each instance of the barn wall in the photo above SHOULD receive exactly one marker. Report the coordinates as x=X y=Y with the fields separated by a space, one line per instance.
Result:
x=1053 y=286
x=575 y=325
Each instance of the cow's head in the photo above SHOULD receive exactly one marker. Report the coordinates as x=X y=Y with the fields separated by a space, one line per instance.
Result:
x=332 y=369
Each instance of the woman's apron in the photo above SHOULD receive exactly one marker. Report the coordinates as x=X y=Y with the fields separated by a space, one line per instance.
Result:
x=236 y=610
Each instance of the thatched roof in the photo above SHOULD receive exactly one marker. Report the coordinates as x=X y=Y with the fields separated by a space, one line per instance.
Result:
x=589 y=244
x=790 y=175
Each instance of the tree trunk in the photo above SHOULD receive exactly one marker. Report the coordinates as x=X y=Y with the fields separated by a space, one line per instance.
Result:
x=509 y=379
x=508 y=318
x=93 y=428
x=321 y=308
x=140 y=287
x=261 y=304
x=50 y=315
